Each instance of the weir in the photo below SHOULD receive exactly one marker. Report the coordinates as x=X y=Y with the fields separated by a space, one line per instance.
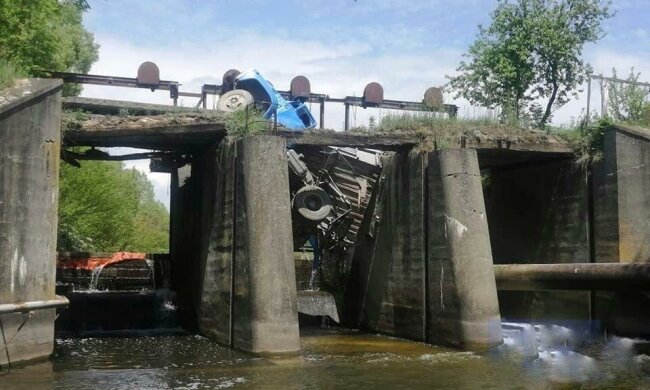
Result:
x=416 y=261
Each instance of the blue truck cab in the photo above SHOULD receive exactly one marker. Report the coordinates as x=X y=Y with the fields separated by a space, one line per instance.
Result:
x=293 y=115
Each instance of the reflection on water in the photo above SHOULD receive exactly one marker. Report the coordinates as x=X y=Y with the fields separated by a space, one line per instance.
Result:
x=557 y=358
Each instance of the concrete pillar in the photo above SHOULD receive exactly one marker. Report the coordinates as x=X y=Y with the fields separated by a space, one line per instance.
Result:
x=463 y=309
x=185 y=234
x=622 y=223
x=30 y=121
x=249 y=289
x=385 y=292
x=631 y=153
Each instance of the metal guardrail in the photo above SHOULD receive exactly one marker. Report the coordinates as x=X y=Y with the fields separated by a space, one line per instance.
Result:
x=373 y=94
x=25 y=307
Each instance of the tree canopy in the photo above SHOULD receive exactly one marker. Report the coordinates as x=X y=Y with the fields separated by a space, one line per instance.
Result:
x=528 y=61
x=102 y=206
x=105 y=207
x=46 y=35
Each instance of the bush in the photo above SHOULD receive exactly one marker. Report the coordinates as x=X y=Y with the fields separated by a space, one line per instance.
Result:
x=9 y=73
x=246 y=122
x=587 y=142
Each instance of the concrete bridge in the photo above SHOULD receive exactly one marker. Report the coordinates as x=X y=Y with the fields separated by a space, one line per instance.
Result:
x=422 y=264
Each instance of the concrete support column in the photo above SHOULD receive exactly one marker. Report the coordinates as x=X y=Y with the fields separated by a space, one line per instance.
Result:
x=30 y=123
x=462 y=304
x=385 y=292
x=622 y=223
x=249 y=289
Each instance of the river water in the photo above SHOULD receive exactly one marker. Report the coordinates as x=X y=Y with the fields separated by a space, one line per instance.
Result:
x=333 y=358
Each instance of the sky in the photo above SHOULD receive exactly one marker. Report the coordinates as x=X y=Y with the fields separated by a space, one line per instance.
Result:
x=340 y=45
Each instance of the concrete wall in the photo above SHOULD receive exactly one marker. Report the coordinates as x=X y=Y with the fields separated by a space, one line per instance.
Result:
x=30 y=120
x=385 y=292
x=412 y=275
x=185 y=235
x=249 y=288
x=622 y=228
x=627 y=168
x=538 y=214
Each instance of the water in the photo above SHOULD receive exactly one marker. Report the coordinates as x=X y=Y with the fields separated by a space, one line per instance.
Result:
x=94 y=278
x=338 y=359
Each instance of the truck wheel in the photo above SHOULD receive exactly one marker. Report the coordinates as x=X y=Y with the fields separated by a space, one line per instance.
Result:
x=312 y=203
x=235 y=100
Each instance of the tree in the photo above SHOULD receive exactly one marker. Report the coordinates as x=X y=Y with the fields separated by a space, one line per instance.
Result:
x=528 y=61
x=627 y=102
x=46 y=35
x=105 y=207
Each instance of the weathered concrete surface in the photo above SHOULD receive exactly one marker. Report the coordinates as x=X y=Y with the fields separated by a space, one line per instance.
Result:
x=30 y=118
x=622 y=223
x=386 y=286
x=185 y=234
x=462 y=304
x=630 y=149
x=422 y=267
x=538 y=214
x=249 y=289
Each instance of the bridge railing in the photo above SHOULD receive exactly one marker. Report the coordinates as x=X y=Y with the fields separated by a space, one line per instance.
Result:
x=148 y=76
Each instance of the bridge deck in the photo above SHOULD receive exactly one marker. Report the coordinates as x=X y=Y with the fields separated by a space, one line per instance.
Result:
x=173 y=128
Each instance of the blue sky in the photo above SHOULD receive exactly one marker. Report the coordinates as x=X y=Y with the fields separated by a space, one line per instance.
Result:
x=340 y=45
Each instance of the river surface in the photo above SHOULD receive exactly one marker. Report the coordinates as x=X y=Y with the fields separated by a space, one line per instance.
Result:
x=332 y=358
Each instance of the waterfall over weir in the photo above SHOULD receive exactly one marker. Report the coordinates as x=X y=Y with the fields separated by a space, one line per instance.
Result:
x=94 y=278
x=317 y=303
x=115 y=294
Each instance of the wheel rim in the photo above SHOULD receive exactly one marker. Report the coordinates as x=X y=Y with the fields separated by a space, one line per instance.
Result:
x=235 y=102
x=313 y=202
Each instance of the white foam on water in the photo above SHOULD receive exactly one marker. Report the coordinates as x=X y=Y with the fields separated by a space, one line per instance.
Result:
x=448 y=357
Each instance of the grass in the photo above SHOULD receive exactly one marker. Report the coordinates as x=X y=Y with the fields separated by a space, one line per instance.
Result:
x=9 y=73
x=246 y=122
x=73 y=119
x=437 y=132
x=587 y=142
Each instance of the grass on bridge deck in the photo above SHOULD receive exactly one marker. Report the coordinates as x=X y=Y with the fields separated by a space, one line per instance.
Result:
x=106 y=123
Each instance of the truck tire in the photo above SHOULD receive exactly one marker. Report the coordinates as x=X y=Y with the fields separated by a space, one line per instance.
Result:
x=312 y=203
x=235 y=100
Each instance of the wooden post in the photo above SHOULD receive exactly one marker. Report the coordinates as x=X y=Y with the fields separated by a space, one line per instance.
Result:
x=603 y=98
x=588 y=117
x=347 y=116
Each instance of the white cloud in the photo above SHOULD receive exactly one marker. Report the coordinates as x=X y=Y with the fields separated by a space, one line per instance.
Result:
x=339 y=68
x=603 y=60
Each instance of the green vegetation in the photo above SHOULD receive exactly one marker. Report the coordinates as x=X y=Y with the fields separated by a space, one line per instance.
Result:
x=45 y=35
x=9 y=73
x=246 y=122
x=527 y=62
x=409 y=121
x=437 y=132
x=105 y=207
x=587 y=142
x=102 y=206
x=628 y=103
